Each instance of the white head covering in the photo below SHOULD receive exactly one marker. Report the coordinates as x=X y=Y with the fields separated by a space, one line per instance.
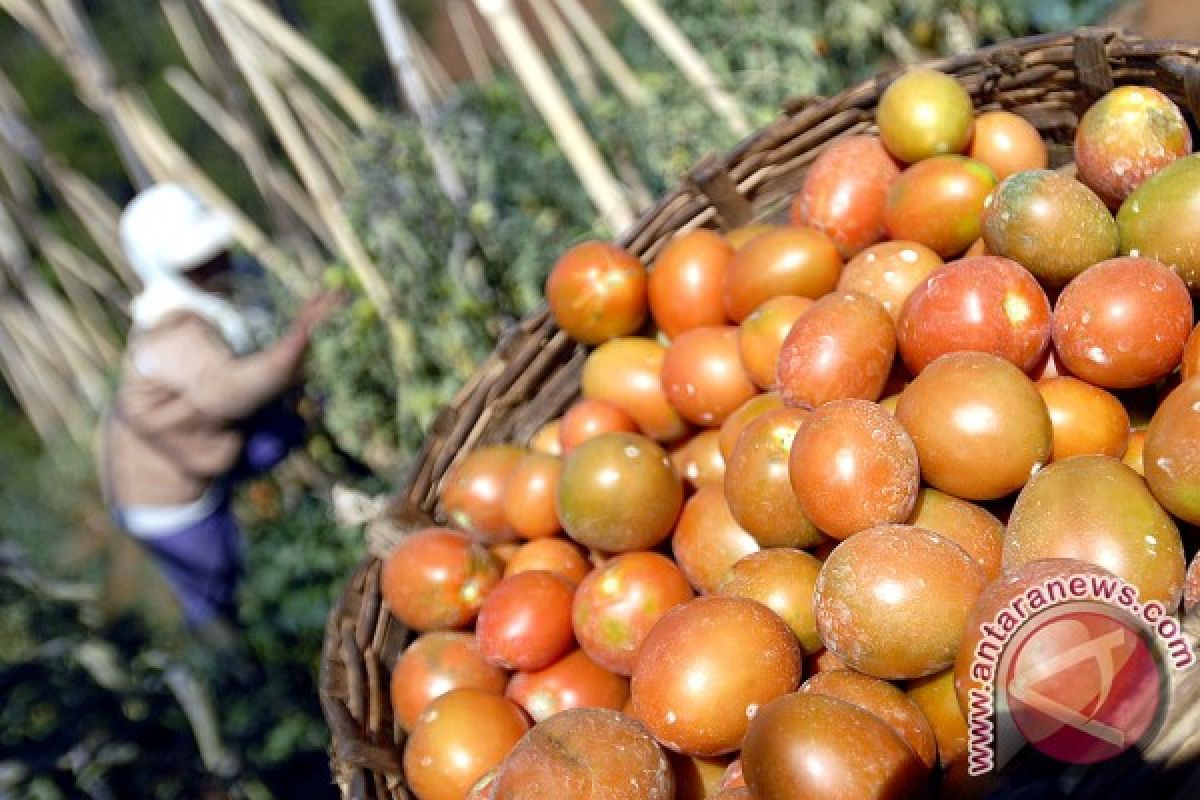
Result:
x=166 y=231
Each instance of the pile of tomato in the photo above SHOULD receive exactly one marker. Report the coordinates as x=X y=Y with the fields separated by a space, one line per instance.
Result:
x=744 y=563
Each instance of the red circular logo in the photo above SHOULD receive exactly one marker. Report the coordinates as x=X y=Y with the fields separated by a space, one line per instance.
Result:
x=1084 y=685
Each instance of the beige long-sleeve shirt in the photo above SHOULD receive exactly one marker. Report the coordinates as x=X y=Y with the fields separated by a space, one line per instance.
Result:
x=173 y=431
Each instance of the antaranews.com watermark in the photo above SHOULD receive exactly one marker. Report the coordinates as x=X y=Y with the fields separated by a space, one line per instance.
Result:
x=1076 y=666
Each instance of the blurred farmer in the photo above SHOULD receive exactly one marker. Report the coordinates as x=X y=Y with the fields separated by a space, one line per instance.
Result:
x=197 y=409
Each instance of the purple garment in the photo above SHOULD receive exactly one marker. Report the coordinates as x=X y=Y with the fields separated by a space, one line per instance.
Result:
x=203 y=562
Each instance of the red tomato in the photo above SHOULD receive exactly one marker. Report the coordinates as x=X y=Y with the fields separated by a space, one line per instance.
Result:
x=889 y=272
x=987 y=304
x=560 y=556
x=574 y=681
x=703 y=375
x=708 y=541
x=763 y=333
x=685 y=284
x=597 y=292
x=437 y=578
x=694 y=686
x=1007 y=143
x=939 y=203
x=628 y=374
x=699 y=460
x=1087 y=420
x=1123 y=323
x=530 y=494
x=619 y=602
x=473 y=492
x=590 y=418
x=434 y=664
x=845 y=192
x=458 y=739
x=525 y=622
x=786 y=260
x=842 y=347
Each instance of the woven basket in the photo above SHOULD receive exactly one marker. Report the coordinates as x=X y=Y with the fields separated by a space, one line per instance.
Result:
x=535 y=374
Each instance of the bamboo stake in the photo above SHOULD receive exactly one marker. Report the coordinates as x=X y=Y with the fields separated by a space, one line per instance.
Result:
x=606 y=56
x=272 y=180
x=168 y=163
x=56 y=391
x=37 y=408
x=431 y=68
x=398 y=44
x=689 y=61
x=598 y=181
x=47 y=329
x=323 y=131
x=304 y=54
x=298 y=149
x=191 y=42
x=568 y=51
x=94 y=79
x=470 y=42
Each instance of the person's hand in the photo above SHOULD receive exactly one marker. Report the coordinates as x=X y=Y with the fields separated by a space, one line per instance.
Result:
x=316 y=310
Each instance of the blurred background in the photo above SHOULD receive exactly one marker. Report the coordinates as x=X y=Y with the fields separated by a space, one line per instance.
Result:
x=427 y=157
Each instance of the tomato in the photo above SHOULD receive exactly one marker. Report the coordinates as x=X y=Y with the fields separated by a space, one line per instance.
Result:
x=525 y=622
x=696 y=778
x=708 y=541
x=434 y=664
x=686 y=282
x=789 y=260
x=1190 y=368
x=925 y=113
x=1125 y=137
x=1160 y=220
x=619 y=602
x=693 y=686
x=782 y=579
x=460 y=737
x=845 y=191
x=974 y=529
x=628 y=374
x=597 y=292
x=436 y=579
x=1050 y=223
x=574 y=681
x=473 y=491
x=1172 y=453
x=979 y=425
x=852 y=467
x=823 y=661
x=884 y=701
x=740 y=237
x=703 y=375
x=736 y=422
x=939 y=203
x=545 y=439
x=1096 y=509
x=1134 y=457
x=987 y=303
x=553 y=554
x=619 y=492
x=699 y=460
x=758 y=488
x=734 y=778
x=529 y=496
x=1123 y=323
x=935 y=696
x=842 y=347
x=809 y=745
x=1007 y=143
x=1191 y=587
x=761 y=336
x=891 y=601
x=1017 y=583
x=889 y=272
x=590 y=418
x=586 y=754
x=1086 y=419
